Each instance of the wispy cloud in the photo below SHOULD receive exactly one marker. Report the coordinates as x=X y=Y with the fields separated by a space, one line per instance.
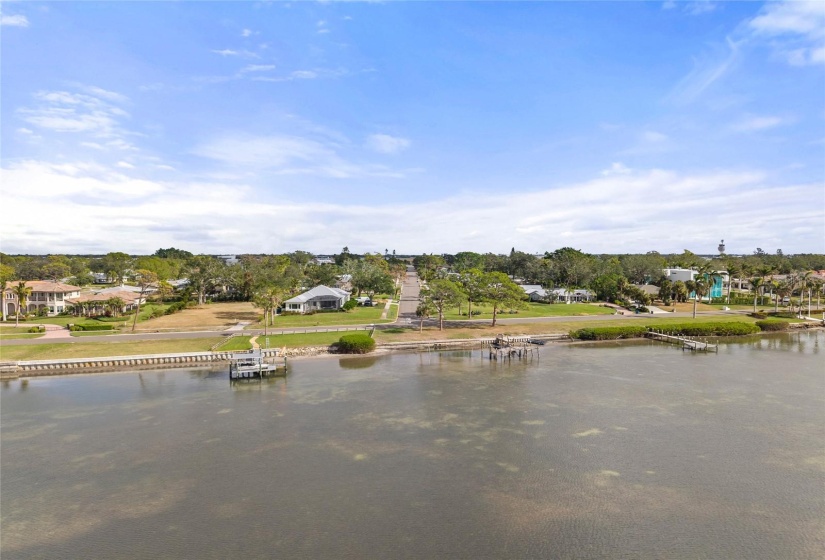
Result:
x=248 y=33
x=289 y=155
x=239 y=53
x=706 y=71
x=752 y=123
x=386 y=144
x=796 y=30
x=699 y=7
x=65 y=111
x=322 y=27
x=17 y=20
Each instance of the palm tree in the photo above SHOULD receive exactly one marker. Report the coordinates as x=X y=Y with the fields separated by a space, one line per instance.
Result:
x=115 y=305
x=734 y=270
x=22 y=292
x=775 y=284
x=783 y=290
x=756 y=286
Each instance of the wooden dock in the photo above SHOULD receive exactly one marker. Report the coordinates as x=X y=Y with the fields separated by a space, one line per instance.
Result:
x=686 y=342
x=506 y=348
x=251 y=365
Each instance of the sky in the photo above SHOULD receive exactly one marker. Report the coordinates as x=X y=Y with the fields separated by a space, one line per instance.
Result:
x=269 y=127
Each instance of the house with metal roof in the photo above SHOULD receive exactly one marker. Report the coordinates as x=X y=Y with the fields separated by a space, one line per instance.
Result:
x=319 y=298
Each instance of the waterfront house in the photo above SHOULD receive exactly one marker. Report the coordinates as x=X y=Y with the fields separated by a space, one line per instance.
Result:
x=319 y=298
x=577 y=296
x=535 y=292
x=44 y=294
x=96 y=304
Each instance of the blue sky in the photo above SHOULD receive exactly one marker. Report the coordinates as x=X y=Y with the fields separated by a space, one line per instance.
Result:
x=414 y=126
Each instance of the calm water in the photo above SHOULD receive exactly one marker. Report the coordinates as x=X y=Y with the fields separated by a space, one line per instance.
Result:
x=619 y=451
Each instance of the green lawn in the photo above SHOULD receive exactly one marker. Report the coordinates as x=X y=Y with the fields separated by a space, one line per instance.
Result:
x=358 y=316
x=108 y=348
x=92 y=333
x=11 y=336
x=300 y=339
x=533 y=310
x=235 y=343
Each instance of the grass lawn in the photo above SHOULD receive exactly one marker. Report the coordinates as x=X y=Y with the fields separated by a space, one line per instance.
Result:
x=560 y=327
x=358 y=316
x=392 y=313
x=102 y=349
x=10 y=336
x=533 y=310
x=235 y=343
x=301 y=339
x=92 y=333
x=204 y=316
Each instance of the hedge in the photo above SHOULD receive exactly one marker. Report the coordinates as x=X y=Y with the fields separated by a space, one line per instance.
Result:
x=683 y=329
x=91 y=327
x=773 y=325
x=709 y=329
x=358 y=343
x=608 y=333
x=40 y=329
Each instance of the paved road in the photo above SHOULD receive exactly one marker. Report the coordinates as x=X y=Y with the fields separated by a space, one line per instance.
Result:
x=410 y=290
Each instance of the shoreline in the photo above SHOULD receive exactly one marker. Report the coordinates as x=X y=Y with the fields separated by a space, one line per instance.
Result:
x=49 y=368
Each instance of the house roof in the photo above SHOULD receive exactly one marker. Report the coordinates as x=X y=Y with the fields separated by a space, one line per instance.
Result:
x=126 y=296
x=44 y=286
x=317 y=291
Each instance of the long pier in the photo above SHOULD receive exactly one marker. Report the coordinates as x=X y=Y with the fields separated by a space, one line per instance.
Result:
x=686 y=342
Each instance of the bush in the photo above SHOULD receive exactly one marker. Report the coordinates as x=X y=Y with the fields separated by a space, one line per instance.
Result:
x=356 y=344
x=175 y=307
x=709 y=329
x=608 y=333
x=758 y=315
x=350 y=304
x=158 y=313
x=38 y=329
x=91 y=327
x=773 y=325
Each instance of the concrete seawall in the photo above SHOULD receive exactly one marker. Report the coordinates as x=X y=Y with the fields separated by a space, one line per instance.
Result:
x=33 y=368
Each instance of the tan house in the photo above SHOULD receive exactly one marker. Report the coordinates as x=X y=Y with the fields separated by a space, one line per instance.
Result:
x=45 y=293
x=97 y=303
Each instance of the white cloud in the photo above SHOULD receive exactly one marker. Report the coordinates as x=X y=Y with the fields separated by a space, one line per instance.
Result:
x=653 y=137
x=240 y=53
x=706 y=71
x=248 y=33
x=700 y=7
x=64 y=111
x=753 y=123
x=617 y=168
x=288 y=155
x=796 y=30
x=125 y=165
x=629 y=211
x=386 y=144
x=257 y=68
x=14 y=21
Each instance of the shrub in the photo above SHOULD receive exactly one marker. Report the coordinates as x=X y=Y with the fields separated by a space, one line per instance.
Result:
x=175 y=307
x=773 y=325
x=356 y=344
x=158 y=313
x=38 y=329
x=608 y=333
x=710 y=329
x=758 y=315
x=90 y=327
x=350 y=304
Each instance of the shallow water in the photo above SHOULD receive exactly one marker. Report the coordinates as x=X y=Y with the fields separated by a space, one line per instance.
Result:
x=606 y=451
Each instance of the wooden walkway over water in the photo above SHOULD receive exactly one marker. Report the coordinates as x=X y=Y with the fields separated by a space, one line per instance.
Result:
x=687 y=342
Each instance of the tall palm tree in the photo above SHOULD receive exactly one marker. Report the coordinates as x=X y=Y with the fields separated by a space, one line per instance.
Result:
x=756 y=286
x=775 y=285
x=22 y=292
x=734 y=270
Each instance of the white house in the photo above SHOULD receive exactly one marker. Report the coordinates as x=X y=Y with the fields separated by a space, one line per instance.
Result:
x=318 y=298
x=535 y=292
x=45 y=293
x=562 y=294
